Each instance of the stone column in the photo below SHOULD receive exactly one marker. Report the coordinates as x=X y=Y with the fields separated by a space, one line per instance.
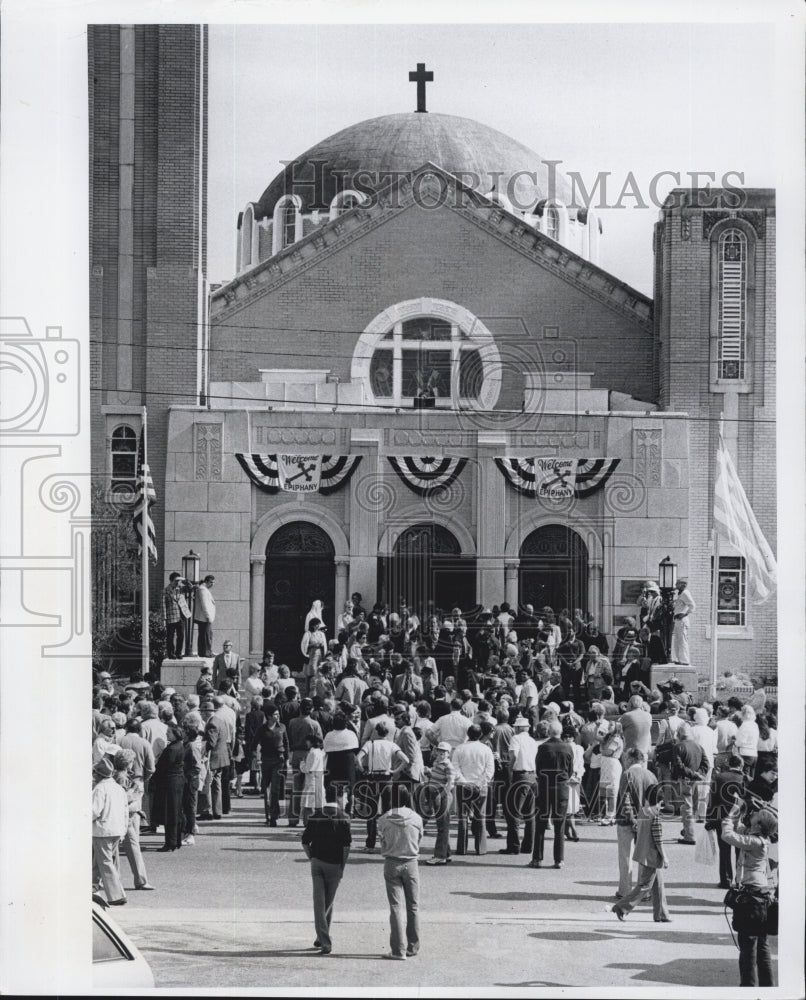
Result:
x=368 y=500
x=511 y=567
x=595 y=570
x=342 y=573
x=257 y=605
x=491 y=505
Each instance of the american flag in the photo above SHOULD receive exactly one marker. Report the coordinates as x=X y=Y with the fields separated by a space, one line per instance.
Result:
x=145 y=496
x=734 y=520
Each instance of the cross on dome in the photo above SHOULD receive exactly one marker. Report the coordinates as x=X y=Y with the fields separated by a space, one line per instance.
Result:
x=421 y=77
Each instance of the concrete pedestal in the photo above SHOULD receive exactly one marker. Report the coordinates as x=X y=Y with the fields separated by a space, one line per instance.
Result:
x=183 y=674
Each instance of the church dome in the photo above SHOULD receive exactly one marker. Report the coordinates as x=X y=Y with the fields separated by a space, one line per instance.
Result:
x=481 y=156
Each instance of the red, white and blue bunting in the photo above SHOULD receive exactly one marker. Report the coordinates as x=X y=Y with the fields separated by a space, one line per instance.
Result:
x=581 y=477
x=424 y=476
x=262 y=470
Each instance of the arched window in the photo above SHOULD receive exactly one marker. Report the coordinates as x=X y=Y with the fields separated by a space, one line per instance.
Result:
x=552 y=223
x=247 y=225
x=732 y=298
x=289 y=224
x=344 y=202
x=428 y=352
x=426 y=358
x=286 y=222
x=124 y=459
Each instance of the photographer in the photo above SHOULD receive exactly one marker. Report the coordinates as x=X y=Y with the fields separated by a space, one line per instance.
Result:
x=751 y=902
x=176 y=613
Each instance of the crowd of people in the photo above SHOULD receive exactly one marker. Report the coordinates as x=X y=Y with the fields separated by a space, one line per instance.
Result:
x=514 y=725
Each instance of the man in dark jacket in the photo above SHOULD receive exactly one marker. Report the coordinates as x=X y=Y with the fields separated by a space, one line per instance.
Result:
x=554 y=768
x=272 y=739
x=217 y=737
x=726 y=784
x=689 y=767
x=326 y=841
x=298 y=729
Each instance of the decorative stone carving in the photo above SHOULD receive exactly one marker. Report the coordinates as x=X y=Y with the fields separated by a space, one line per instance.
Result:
x=208 y=451
x=685 y=227
x=752 y=216
x=648 y=456
x=290 y=435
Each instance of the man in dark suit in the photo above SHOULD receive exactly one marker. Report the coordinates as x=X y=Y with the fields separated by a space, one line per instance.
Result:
x=223 y=662
x=726 y=784
x=552 y=691
x=554 y=766
x=217 y=737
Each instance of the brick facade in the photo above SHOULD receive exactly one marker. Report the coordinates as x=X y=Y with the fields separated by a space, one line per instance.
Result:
x=147 y=84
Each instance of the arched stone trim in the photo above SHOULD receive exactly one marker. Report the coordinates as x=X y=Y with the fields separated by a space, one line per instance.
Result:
x=412 y=515
x=337 y=202
x=298 y=511
x=277 y=220
x=444 y=309
x=532 y=520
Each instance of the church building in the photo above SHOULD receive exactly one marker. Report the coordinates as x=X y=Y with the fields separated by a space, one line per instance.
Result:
x=421 y=385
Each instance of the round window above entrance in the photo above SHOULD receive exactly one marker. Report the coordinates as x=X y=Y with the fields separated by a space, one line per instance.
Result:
x=428 y=352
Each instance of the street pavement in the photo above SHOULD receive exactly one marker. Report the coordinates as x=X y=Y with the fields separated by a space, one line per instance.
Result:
x=234 y=911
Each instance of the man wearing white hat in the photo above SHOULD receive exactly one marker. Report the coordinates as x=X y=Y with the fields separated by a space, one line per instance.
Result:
x=683 y=607
x=519 y=802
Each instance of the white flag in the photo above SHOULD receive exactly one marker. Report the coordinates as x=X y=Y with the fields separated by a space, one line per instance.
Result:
x=299 y=473
x=734 y=519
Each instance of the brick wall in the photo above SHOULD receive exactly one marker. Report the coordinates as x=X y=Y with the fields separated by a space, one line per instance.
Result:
x=683 y=302
x=168 y=62
x=313 y=318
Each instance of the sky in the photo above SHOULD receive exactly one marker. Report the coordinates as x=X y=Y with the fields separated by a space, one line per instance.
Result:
x=632 y=100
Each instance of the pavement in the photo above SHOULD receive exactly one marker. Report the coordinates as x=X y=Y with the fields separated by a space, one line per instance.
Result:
x=234 y=911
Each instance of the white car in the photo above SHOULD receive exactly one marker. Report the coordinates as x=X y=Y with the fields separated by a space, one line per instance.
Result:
x=116 y=961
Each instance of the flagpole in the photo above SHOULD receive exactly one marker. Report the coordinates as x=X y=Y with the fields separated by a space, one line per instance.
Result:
x=713 y=666
x=146 y=653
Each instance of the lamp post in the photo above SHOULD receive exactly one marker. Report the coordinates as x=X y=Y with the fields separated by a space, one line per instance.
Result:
x=190 y=573
x=667 y=578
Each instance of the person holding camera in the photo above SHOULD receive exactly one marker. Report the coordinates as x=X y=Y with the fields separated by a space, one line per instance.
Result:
x=753 y=898
x=177 y=612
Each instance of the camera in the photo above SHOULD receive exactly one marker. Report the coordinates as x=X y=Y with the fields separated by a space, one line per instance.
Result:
x=41 y=391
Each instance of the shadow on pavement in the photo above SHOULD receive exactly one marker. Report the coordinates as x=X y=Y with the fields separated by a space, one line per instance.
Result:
x=525 y=897
x=640 y=930
x=668 y=885
x=313 y=953
x=686 y=971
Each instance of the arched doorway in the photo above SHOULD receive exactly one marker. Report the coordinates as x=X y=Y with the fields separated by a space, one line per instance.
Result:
x=300 y=568
x=427 y=569
x=553 y=569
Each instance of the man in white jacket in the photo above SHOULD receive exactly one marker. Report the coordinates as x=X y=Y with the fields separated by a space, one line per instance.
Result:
x=110 y=822
x=204 y=615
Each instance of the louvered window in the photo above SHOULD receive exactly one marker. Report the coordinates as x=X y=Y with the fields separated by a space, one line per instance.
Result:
x=732 y=303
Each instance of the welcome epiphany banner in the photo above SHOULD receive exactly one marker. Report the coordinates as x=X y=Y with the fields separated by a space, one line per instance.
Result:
x=298 y=473
x=557 y=478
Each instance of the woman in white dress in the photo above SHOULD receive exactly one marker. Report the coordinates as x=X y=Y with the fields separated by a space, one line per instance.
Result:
x=313 y=644
x=575 y=781
x=313 y=767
